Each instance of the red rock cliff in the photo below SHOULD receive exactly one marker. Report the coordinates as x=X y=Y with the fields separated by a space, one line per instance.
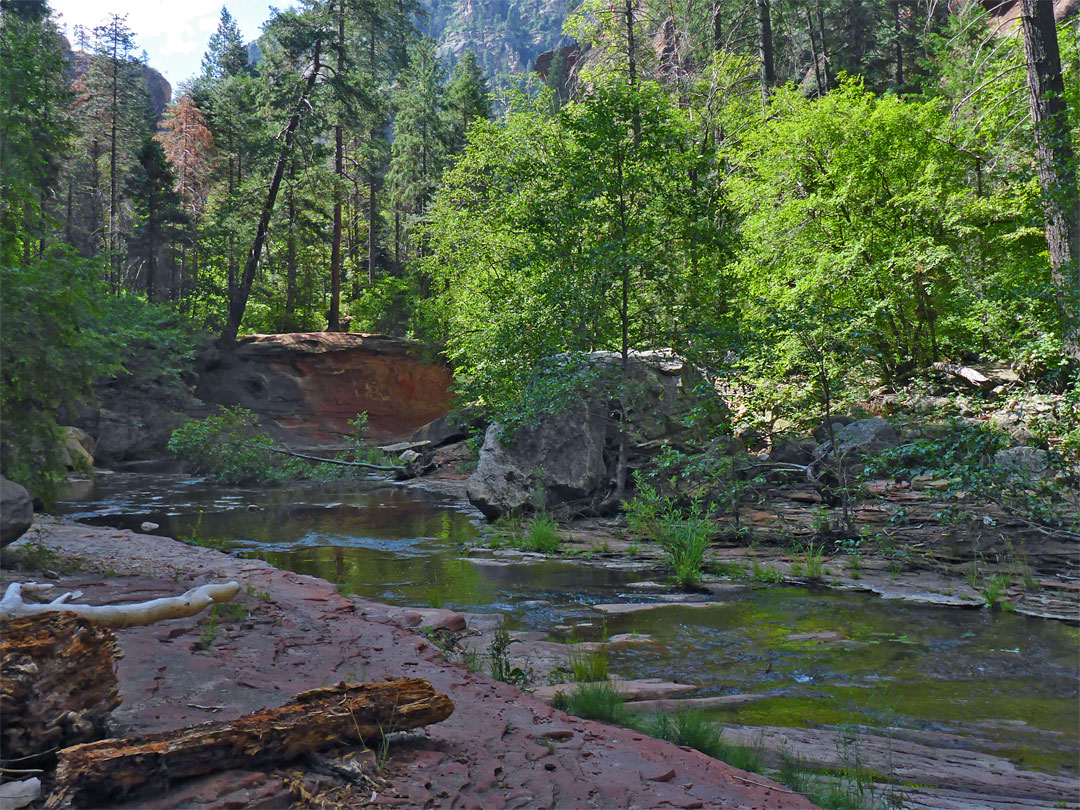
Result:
x=309 y=385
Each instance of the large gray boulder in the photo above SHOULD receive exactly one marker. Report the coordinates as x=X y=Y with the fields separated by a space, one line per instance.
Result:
x=858 y=441
x=571 y=455
x=558 y=461
x=1024 y=464
x=16 y=511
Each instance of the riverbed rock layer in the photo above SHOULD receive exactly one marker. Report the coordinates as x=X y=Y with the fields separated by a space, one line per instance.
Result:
x=500 y=748
x=308 y=385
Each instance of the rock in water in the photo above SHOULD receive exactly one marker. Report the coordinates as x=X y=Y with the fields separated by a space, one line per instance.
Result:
x=16 y=511
x=563 y=459
x=570 y=456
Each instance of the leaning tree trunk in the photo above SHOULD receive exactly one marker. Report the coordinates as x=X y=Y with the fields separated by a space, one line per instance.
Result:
x=1054 y=161
x=111 y=769
x=238 y=302
x=57 y=685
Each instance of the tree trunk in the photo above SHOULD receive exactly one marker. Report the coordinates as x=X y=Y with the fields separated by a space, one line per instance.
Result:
x=1054 y=161
x=334 y=319
x=765 y=51
x=813 y=52
x=57 y=685
x=717 y=28
x=105 y=771
x=114 y=268
x=290 y=257
x=824 y=48
x=238 y=303
x=898 y=33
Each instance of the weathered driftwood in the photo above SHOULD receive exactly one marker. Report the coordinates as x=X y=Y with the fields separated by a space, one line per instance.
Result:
x=108 y=770
x=57 y=685
x=131 y=615
x=972 y=377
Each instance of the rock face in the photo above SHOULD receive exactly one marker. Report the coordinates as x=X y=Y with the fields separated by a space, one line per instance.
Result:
x=78 y=449
x=571 y=456
x=308 y=385
x=1024 y=464
x=16 y=511
x=861 y=439
x=564 y=459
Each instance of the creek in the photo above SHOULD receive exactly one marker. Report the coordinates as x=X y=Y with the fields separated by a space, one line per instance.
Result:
x=823 y=658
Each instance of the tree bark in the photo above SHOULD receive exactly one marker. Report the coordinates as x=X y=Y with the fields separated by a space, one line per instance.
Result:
x=813 y=52
x=1054 y=161
x=57 y=685
x=238 y=302
x=765 y=50
x=105 y=771
x=334 y=319
x=824 y=48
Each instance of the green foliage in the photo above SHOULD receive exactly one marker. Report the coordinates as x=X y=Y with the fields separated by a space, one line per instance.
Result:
x=686 y=540
x=229 y=448
x=856 y=206
x=499 y=664
x=549 y=222
x=594 y=701
x=645 y=510
x=588 y=666
x=543 y=536
x=693 y=730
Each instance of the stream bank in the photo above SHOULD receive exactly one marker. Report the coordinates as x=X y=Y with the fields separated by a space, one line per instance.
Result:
x=997 y=687
x=500 y=748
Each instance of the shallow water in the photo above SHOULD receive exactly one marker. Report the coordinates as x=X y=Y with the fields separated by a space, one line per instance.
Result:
x=1007 y=682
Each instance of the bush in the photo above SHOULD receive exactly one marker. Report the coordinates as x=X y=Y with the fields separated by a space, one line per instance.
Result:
x=645 y=510
x=229 y=449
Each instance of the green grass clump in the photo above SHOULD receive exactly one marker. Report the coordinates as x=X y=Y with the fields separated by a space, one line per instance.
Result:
x=594 y=701
x=543 y=536
x=693 y=730
x=588 y=666
x=686 y=541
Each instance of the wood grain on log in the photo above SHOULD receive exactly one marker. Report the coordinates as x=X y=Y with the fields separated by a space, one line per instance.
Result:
x=57 y=685
x=972 y=377
x=104 y=771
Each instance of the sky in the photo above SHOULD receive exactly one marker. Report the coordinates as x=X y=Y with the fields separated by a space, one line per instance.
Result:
x=173 y=33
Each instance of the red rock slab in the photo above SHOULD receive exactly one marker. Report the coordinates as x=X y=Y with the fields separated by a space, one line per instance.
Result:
x=501 y=748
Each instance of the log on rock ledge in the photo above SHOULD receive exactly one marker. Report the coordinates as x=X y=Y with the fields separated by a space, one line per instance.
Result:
x=105 y=771
x=57 y=685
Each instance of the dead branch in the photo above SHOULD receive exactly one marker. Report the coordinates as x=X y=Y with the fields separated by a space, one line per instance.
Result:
x=116 y=616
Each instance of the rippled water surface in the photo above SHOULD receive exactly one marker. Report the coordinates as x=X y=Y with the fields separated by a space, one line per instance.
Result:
x=824 y=657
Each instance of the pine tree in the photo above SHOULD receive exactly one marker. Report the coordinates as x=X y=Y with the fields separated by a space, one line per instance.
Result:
x=420 y=137
x=225 y=54
x=159 y=217
x=189 y=147
x=34 y=126
x=467 y=98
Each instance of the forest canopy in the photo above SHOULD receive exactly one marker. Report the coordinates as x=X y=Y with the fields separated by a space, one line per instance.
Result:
x=749 y=184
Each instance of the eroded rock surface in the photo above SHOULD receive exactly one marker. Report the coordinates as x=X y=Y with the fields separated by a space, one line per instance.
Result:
x=308 y=385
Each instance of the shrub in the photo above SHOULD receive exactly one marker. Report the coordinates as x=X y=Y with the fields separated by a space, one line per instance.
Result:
x=229 y=448
x=588 y=666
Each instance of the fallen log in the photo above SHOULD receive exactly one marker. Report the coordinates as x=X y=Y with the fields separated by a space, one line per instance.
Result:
x=128 y=615
x=105 y=771
x=57 y=685
x=972 y=377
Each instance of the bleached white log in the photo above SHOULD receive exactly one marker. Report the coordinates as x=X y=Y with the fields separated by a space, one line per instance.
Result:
x=170 y=607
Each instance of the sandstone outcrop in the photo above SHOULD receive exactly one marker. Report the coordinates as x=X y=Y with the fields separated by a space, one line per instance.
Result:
x=306 y=386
